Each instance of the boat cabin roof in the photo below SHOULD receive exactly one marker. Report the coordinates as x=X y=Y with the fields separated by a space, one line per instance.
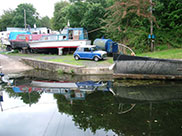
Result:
x=87 y=46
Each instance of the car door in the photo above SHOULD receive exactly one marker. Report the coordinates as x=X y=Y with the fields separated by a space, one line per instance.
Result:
x=87 y=53
x=80 y=52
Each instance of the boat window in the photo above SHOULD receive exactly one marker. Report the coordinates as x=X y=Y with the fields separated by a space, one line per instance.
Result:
x=49 y=37
x=30 y=37
x=22 y=37
x=64 y=37
x=64 y=31
x=70 y=34
x=76 y=32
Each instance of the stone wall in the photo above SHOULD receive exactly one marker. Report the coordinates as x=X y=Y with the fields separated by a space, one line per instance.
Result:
x=66 y=68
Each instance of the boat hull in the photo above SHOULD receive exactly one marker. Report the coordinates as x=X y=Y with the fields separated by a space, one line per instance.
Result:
x=19 y=45
x=145 y=67
x=58 y=44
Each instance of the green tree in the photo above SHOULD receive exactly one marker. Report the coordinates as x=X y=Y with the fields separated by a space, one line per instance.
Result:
x=76 y=13
x=59 y=20
x=15 y=18
x=104 y=3
x=168 y=14
x=30 y=12
x=128 y=22
x=6 y=19
x=92 y=20
x=45 y=22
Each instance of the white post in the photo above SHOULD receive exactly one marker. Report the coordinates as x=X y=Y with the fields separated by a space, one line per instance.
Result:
x=1 y=106
x=151 y=27
x=25 y=21
x=60 y=51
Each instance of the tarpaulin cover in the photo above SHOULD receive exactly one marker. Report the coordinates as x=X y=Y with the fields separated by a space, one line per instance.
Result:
x=17 y=90
x=13 y=35
x=1 y=74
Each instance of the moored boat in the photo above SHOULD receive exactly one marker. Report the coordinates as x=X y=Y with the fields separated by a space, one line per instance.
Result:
x=21 y=41
x=68 y=40
x=17 y=42
x=127 y=66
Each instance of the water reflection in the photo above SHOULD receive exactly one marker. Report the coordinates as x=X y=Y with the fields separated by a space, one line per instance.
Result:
x=95 y=107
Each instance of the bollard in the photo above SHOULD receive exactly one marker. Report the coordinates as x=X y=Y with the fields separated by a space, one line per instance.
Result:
x=60 y=51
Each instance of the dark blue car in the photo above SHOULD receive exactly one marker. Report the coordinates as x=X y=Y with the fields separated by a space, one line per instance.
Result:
x=89 y=52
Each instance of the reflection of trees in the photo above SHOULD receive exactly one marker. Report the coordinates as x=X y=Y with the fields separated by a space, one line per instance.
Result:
x=100 y=110
x=167 y=119
x=63 y=104
x=28 y=98
x=10 y=92
x=95 y=111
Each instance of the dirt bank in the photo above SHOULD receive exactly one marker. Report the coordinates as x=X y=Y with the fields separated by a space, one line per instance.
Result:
x=9 y=65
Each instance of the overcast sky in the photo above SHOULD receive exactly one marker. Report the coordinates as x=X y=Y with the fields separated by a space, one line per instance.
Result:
x=43 y=7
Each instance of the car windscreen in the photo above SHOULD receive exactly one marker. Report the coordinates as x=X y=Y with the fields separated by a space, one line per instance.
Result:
x=94 y=49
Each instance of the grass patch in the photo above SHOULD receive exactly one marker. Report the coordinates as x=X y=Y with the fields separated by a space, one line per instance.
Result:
x=16 y=54
x=73 y=62
x=107 y=60
x=110 y=60
x=68 y=59
x=166 y=54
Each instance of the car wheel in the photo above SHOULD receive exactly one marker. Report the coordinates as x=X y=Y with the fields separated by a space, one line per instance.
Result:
x=96 y=58
x=76 y=57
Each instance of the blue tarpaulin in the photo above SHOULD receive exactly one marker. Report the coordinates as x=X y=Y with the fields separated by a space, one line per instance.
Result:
x=1 y=74
x=17 y=90
x=89 y=83
x=13 y=35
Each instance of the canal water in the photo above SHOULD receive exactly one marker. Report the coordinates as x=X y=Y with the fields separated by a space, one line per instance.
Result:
x=39 y=103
